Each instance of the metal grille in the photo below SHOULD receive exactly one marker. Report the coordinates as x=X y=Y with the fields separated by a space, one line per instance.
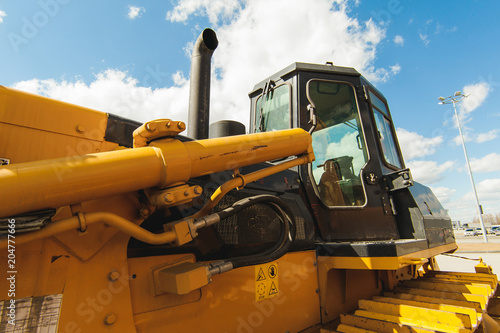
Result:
x=256 y=224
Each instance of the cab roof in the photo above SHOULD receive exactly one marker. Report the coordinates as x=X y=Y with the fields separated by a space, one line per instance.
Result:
x=306 y=67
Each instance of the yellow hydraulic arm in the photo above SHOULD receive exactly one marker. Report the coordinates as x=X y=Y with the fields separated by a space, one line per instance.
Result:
x=32 y=186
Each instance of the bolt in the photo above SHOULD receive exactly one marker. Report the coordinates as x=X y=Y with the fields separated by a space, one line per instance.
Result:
x=169 y=198
x=113 y=276
x=144 y=212
x=181 y=126
x=186 y=193
x=198 y=190
x=110 y=319
x=80 y=129
x=150 y=127
x=169 y=124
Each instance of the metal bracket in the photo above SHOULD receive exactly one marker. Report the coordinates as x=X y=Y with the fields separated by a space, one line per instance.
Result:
x=156 y=129
x=398 y=180
x=173 y=196
x=180 y=277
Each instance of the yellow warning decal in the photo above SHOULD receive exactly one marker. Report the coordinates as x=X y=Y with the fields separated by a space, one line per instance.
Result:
x=266 y=281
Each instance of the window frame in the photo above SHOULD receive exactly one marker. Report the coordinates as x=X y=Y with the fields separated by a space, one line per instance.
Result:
x=290 y=110
x=387 y=116
x=315 y=186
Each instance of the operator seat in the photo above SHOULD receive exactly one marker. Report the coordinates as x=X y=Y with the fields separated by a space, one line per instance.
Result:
x=329 y=187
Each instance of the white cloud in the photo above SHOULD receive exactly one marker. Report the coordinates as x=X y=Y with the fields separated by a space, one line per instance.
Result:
x=213 y=9
x=2 y=15
x=428 y=172
x=425 y=39
x=477 y=94
x=248 y=40
x=488 y=192
x=443 y=194
x=399 y=40
x=488 y=136
x=135 y=12
x=415 y=145
x=489 y=189
x=115 y=92
x=490 y=162
x=470 y=136
x=179 y=79
x=395 y=69
x=248 y=52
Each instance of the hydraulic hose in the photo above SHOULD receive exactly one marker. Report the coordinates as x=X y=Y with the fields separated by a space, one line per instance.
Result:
x=280 y=248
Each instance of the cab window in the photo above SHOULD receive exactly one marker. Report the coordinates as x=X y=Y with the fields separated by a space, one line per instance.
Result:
x=384 y=130
x=272 y=110
x=338 y=144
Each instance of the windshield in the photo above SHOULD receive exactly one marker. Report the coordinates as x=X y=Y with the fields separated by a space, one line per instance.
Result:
x=338 y=144
x=272 y=110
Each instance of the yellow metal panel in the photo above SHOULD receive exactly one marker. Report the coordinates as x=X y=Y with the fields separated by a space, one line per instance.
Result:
x=383 y=263
x=421 y=322
x=388 y=263
x=228 y=303
x=340 y=289
x=89 y=296
x=23 y=144
x=37 y=112
x=471 y=313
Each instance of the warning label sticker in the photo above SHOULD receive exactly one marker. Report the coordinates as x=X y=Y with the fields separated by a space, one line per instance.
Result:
x=266 y=281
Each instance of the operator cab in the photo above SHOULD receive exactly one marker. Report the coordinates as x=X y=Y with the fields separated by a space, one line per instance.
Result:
x=358 y=188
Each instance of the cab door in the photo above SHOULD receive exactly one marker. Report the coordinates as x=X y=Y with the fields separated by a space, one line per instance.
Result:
x=343 y=184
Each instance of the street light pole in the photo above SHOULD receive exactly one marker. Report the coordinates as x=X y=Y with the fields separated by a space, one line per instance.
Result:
x=454 y=99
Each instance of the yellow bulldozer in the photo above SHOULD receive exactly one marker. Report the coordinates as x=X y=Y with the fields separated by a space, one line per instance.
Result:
x=307 y=221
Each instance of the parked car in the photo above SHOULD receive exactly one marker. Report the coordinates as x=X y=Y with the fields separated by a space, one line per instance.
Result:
x=470 y=232
x=494 y=230
x=497 y=233
x=479 y=231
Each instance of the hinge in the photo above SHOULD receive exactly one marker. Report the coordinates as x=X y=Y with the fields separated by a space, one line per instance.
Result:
x=365 y=93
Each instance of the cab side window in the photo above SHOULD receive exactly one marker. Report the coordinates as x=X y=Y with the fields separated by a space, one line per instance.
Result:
x=272 y=110
x=384 y=130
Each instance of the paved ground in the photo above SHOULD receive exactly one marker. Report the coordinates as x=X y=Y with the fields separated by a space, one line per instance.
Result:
x=472 y=247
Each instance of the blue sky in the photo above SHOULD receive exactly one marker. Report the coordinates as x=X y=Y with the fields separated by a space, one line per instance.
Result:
x=131 y=58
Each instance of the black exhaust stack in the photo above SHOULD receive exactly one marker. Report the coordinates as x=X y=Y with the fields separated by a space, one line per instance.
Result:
x=199 y=94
